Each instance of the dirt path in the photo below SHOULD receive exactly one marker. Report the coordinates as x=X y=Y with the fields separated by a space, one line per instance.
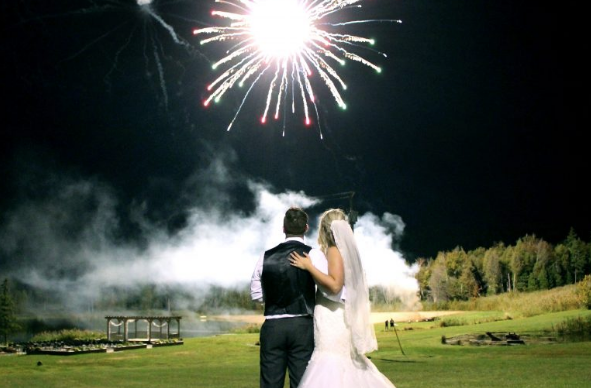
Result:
x=375 y=317
x=409 y=316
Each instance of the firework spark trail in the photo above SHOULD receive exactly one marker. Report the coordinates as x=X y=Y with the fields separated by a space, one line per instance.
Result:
x=145 y=6
x=289 y=36
x=142 y=17
x=244 y=99
x=160 y=74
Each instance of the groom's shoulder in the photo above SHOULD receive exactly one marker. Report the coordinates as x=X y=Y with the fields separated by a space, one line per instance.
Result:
x=316 y=252
x=288 y=245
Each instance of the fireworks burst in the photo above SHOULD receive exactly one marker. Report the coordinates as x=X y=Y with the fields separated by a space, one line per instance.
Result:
x=291 y=39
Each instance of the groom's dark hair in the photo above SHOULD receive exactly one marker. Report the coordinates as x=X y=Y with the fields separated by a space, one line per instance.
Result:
x=295 y=221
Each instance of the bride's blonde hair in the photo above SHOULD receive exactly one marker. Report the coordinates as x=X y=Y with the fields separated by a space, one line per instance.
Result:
x=325 y=237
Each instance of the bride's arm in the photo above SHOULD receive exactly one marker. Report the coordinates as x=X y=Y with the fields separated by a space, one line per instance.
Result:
x=334 y=280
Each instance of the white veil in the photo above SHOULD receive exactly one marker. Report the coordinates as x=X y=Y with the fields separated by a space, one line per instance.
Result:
x=357 y=307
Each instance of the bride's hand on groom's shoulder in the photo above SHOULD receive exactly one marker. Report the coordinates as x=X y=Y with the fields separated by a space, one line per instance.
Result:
x=302 y=262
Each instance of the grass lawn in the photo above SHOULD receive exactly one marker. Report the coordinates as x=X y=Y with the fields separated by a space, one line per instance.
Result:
x=231 y=361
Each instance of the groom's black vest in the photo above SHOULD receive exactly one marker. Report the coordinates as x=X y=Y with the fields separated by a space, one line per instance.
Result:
x=286 y=289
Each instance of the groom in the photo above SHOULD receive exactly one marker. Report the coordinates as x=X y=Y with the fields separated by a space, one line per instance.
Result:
x=287 y=335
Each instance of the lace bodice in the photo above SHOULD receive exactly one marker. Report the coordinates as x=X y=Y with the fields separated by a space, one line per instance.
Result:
x=330 y=332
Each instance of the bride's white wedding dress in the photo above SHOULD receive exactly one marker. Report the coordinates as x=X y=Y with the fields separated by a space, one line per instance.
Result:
x=334 y=363
x=343 y=332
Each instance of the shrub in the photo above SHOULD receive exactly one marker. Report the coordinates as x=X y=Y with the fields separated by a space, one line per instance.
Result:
x=251 y=328
x=69 y=336
x=583 y=292
x=447 y=322
x=577 y=328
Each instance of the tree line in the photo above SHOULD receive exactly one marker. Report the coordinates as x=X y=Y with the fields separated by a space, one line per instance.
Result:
x=8 y=320
x=531 y=264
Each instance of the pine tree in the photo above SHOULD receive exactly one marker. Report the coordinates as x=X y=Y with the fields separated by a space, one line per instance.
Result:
x=8 y=321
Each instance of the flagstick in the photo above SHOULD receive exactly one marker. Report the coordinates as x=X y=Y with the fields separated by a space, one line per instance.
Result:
x=398 y=338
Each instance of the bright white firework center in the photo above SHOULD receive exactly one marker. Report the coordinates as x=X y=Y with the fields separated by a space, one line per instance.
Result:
x=281 y=28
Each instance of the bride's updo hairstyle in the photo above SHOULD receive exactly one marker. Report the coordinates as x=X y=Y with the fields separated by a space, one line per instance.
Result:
x=325 y=237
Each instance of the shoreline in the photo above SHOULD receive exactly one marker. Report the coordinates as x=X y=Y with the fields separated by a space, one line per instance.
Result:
x=376 y=317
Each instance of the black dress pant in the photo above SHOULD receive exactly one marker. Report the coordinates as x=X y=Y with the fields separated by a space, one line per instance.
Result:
x=286 y=345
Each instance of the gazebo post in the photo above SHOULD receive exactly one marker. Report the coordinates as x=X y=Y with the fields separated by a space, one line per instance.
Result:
x=125 y=329
x=149 y=330
x=108 y=329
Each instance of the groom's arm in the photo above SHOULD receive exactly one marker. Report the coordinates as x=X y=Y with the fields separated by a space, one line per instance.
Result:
x=256 y=289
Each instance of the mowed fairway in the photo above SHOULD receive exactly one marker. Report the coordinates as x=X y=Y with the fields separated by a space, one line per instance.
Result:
x=231 y=361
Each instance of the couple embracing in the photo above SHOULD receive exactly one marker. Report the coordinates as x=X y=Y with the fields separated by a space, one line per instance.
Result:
x=317 y=312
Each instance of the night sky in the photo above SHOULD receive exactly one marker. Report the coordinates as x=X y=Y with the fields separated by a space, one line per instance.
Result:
x=472 y=133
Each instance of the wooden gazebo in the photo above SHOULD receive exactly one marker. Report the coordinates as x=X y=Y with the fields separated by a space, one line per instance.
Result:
x=147 y=335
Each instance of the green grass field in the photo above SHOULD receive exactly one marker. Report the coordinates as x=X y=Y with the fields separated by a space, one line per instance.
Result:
x=231 y=361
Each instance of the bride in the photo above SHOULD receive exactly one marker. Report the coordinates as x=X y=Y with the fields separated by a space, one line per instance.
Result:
x=343 y=331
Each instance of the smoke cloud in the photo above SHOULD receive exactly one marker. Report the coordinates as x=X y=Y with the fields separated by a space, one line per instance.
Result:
x=68 y=241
